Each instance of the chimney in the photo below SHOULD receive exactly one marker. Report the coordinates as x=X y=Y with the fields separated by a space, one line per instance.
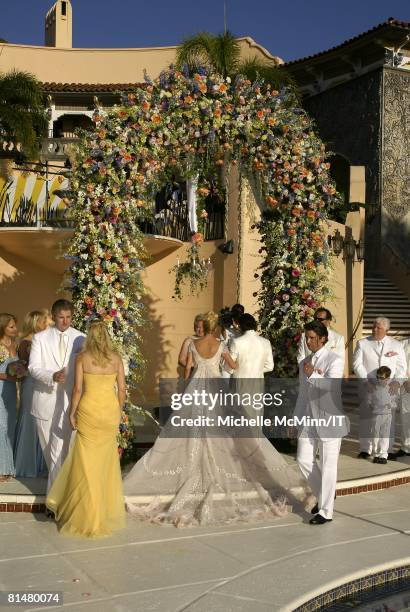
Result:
x=59 y=25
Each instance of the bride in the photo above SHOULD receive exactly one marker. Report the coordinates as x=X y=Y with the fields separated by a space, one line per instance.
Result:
x=205 y=479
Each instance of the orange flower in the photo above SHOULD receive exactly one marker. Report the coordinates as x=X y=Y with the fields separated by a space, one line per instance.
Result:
x=271 y=121
x=203 y=191
x=202 y=88
x=285 y=129
x=197 y=238
x=311 y=214
x=260 y=114
x=156 y=119
x=219 y=162
x=217 y=112
x=271 y=200
x=296 y=212
x=197 y=78
x=222 y=87
x=145 y=105
x=291 y=231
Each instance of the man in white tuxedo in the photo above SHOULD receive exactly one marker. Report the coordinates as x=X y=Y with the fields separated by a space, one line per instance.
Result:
x=405 y=405
x=371 y=353
x=335 y=343
x=252 y=353
x=52 y=360
x=320 y=398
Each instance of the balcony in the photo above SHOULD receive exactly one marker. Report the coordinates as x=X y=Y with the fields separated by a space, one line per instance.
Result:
x=57 y=149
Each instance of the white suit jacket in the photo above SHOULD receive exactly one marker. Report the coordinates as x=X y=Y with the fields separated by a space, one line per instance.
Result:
x=44 y=361
x=368 y=357
x=406 y=348
x=320 y=395
x=253 y=355
x=335 y=343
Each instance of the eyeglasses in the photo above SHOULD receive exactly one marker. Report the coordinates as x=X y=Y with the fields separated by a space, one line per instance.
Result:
x=320 y=318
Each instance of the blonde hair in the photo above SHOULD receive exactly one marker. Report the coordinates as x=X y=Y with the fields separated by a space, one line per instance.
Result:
x=5 y=319
x=210 y=322
x=99 y=343
x=30 y=322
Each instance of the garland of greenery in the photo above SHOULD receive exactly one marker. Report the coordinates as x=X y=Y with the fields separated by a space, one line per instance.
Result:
x=181 y=125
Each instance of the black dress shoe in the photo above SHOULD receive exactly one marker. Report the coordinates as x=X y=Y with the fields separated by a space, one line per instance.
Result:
x=393 y=456
x=376 y=460
x=319 y=520
x=382 y=460
x=50 y=514
x=363 y=455
x=401 y=453
x=315 y=509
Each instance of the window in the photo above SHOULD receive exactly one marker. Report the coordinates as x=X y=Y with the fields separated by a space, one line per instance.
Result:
x=64 y=8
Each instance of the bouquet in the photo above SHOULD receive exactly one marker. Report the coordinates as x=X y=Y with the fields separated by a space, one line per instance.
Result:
x=4 y=354
x=17 y=369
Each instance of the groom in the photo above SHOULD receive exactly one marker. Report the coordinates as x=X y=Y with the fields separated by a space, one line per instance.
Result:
x=52 y=358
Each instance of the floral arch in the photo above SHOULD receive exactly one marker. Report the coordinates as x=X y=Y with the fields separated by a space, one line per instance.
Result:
x=193 y=125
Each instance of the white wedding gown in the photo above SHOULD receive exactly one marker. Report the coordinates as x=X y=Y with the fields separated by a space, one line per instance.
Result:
x=208 y=480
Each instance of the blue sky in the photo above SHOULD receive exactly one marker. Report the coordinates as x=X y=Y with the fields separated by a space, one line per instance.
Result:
x=290 y=29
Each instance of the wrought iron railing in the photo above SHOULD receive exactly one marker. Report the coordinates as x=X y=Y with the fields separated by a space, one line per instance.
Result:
x=168 y=218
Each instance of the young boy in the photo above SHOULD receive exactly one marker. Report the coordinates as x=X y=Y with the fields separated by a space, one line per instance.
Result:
x=382 y=405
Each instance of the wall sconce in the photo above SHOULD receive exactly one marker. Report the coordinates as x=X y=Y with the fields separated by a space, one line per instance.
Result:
x=226 y=247
x=348 y=246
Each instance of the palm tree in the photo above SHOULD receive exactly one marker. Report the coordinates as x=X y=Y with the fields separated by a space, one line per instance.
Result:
x=221 y=53
x=23 y=119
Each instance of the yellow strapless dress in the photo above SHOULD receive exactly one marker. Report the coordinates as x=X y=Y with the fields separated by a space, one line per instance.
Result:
x=87 y=496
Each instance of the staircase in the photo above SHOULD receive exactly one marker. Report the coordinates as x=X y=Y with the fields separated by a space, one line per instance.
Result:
x=386 y=300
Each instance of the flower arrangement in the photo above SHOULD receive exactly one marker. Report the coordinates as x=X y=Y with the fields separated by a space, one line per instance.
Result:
x=191 y=126
x=17 y=369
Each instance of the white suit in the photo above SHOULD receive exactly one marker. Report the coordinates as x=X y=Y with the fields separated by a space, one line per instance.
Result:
x=370 y=355
x=320 y=398
x=51 y=399
x=253 y=354
x=335 y=343
x=405 y=402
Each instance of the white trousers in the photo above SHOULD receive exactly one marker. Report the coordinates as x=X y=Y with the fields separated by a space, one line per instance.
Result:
x=383 y=434
x=55 y=443
x=405 y=422
x=322 y=475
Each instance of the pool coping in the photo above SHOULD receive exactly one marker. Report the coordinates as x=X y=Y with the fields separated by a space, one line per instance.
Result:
x=355 y=582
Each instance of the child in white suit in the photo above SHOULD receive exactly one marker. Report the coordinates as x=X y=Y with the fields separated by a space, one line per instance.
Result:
x=382 y=405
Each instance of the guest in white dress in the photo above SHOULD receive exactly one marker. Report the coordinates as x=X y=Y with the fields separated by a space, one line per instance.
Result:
x=198 y=333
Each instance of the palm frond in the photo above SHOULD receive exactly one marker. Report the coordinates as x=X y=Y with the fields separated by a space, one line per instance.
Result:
x=195 y=51
x=272 y=74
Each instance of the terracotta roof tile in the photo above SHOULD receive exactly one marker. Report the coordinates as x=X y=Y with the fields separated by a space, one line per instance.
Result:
x=385 y=25
x=89 y=87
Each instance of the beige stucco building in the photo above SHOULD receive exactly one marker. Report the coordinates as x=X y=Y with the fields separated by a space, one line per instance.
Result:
x=75 y=82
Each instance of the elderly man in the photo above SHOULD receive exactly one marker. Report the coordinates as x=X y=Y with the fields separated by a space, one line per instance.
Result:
x=370 y=354
x=335 y=343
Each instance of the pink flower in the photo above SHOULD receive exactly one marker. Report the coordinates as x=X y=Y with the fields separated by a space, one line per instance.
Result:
x=295 y=272
x=285 y=297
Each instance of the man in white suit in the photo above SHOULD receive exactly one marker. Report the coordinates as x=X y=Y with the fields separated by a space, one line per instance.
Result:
x=51 y=364
x=320 y=398
x=371 y=353
x=252 y=353
x=335 y=343
x=405 y=405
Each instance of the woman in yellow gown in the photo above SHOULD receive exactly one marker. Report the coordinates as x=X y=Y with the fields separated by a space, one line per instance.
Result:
x=87 y=497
